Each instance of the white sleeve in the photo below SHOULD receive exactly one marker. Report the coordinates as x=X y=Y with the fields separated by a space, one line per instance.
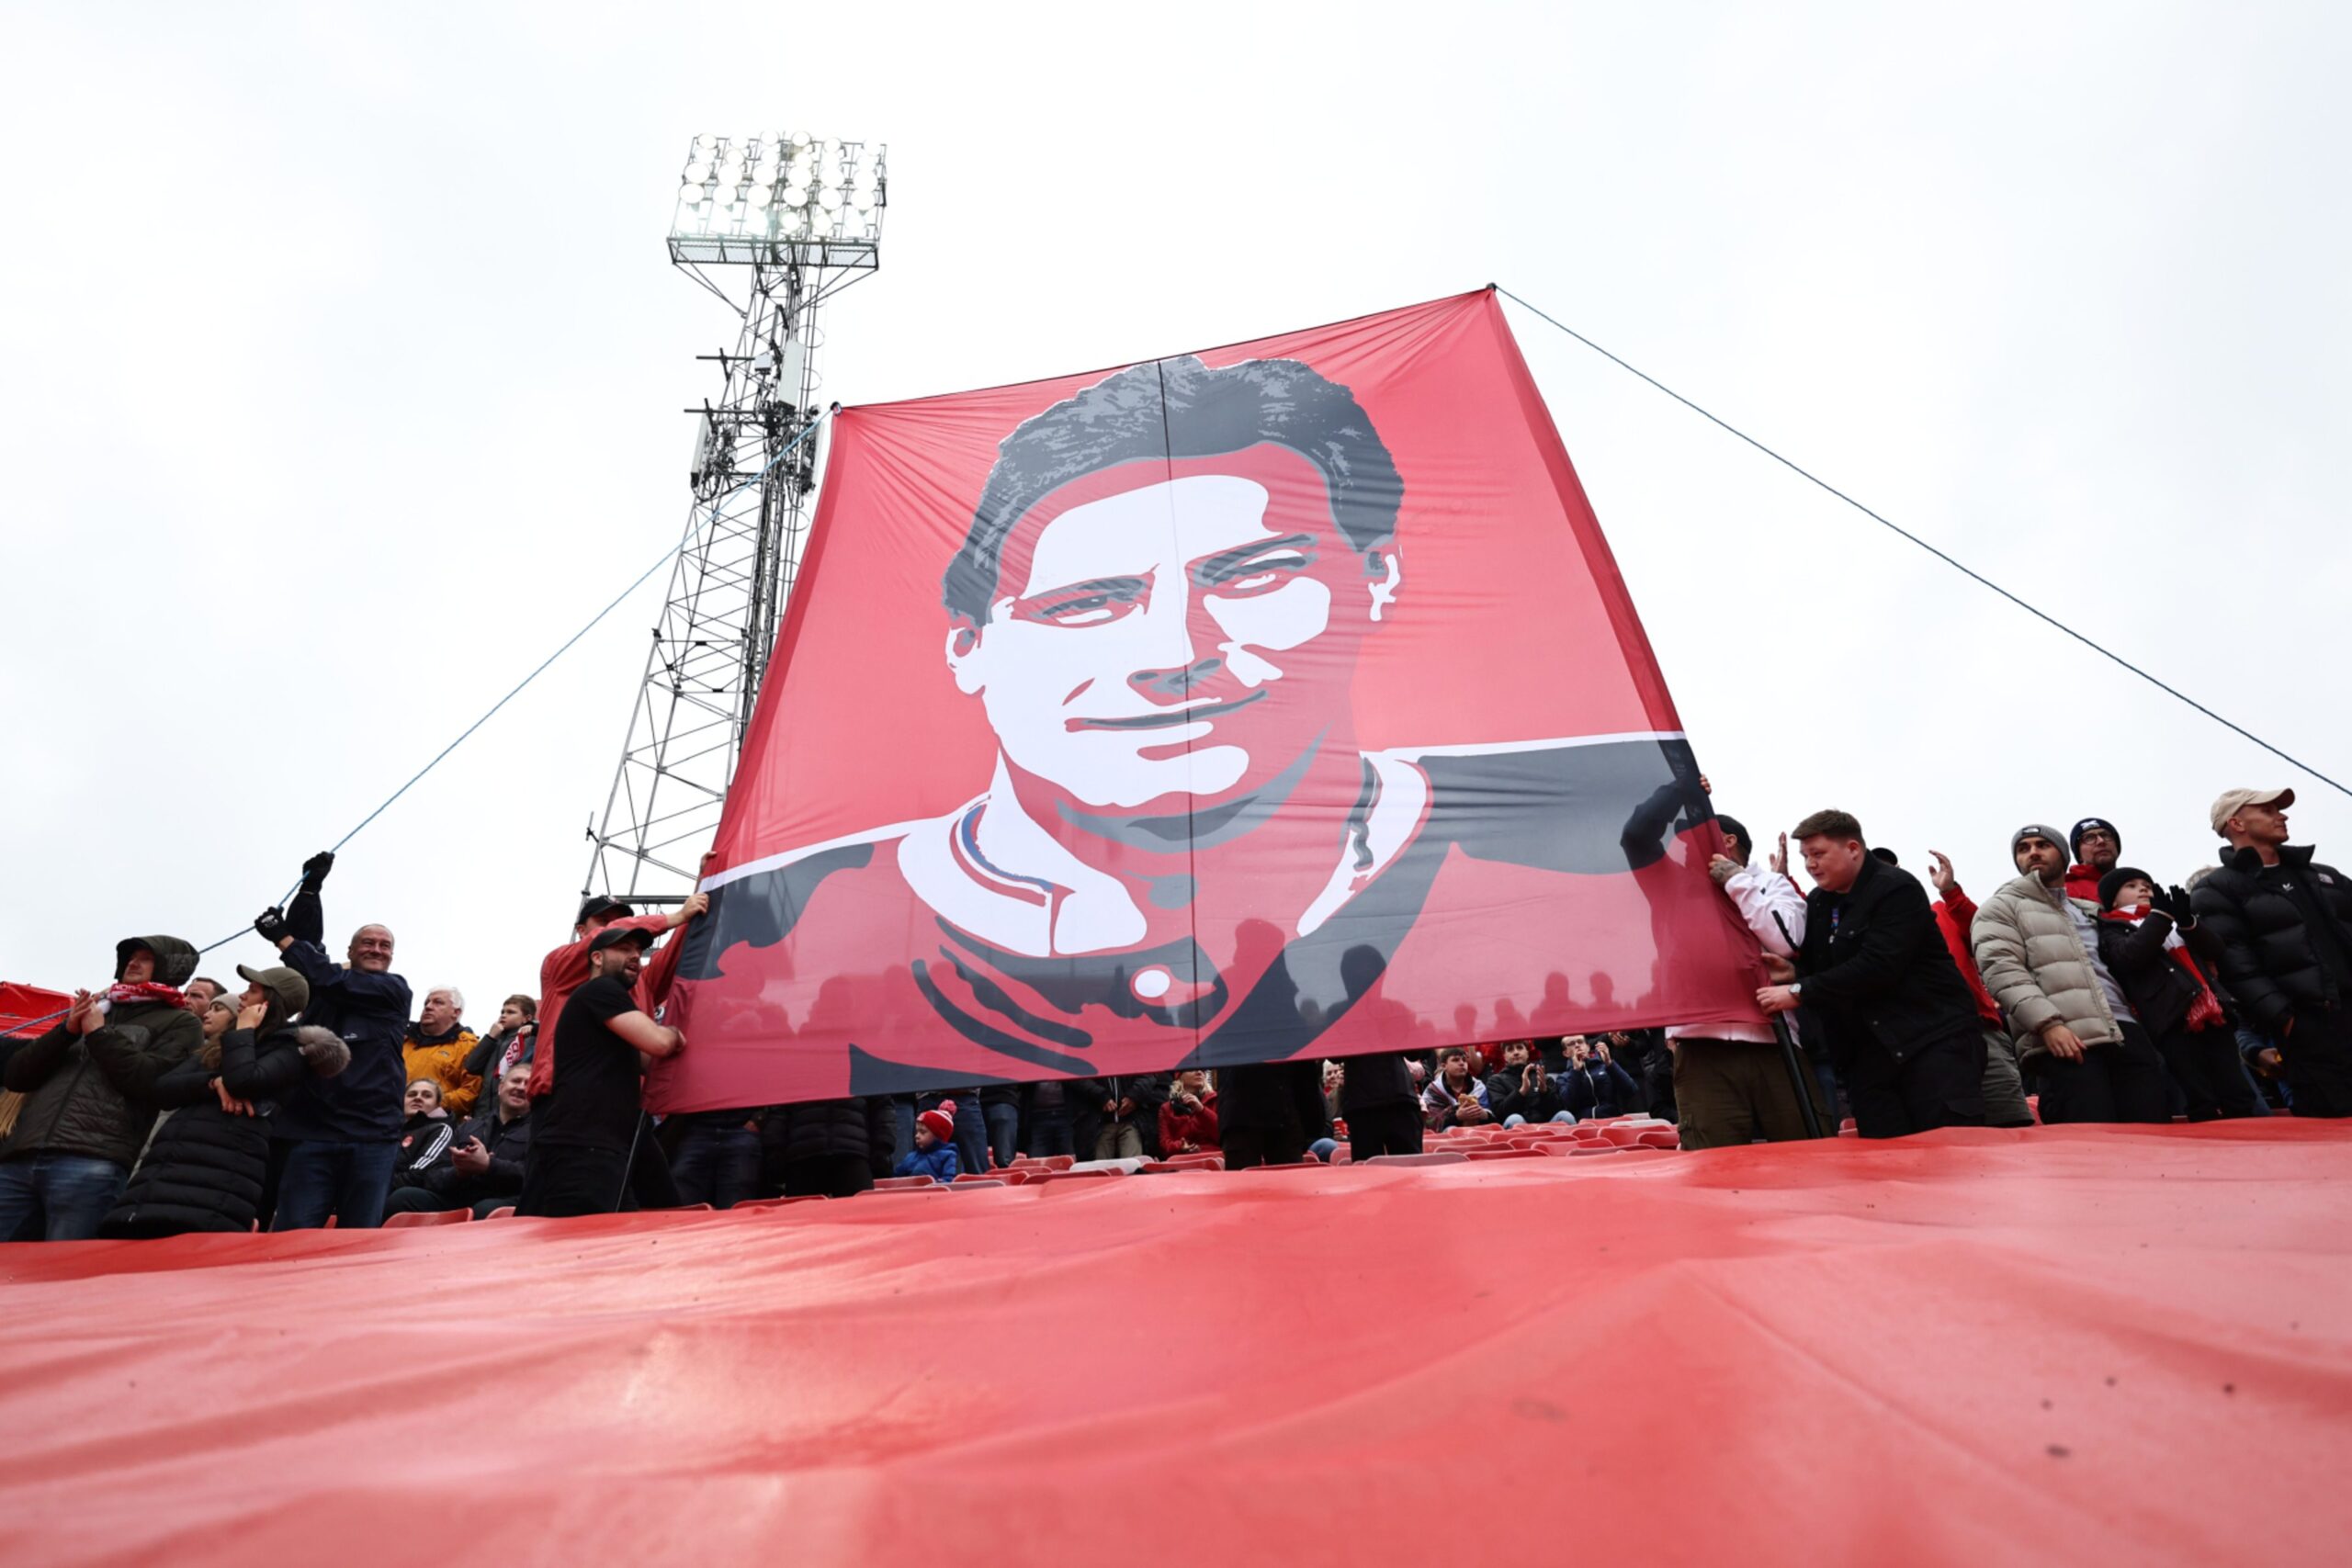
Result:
x=1761 y=895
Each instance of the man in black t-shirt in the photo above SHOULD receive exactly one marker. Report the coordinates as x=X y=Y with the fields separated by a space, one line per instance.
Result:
x=587 y=1134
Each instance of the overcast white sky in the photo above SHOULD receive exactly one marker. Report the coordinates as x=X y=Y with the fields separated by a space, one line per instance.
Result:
x=340 y=363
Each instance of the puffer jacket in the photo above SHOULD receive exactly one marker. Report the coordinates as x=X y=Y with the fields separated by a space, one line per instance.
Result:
x=2271 y=958
x=207 y=1167
x=818 y=1129
x=76 y=1105
x=2033 y=961
x=938 y=1162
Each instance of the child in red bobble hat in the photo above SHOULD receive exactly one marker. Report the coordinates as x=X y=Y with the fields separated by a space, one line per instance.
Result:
x=934 y=1151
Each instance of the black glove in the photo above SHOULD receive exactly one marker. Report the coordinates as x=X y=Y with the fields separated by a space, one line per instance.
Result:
x=315 y=869
x=271 y=924
x=2174 y=901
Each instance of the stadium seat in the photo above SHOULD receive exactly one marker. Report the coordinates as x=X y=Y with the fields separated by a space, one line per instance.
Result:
x=1600 y=1148
x=778 y=1203
x=1075 y=1175
x=505 y=1214
x=445 y=1217
x=902 y=1183
x=1429 y=1157
x=966 y=1183
x=1504 y=1153
x=1660 y=1138
x=689 y=1208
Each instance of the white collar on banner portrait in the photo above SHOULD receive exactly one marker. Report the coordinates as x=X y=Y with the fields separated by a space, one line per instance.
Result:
x=988 y=869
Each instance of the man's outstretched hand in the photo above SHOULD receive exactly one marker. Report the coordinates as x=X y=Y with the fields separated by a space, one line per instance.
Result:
x=271 y=925
x=696 y=904
x=315 y=869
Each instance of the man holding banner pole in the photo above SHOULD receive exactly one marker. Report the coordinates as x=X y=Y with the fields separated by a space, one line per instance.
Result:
x=1731 y=1085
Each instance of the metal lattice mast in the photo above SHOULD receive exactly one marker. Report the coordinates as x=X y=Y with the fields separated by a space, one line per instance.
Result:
x=772 y=226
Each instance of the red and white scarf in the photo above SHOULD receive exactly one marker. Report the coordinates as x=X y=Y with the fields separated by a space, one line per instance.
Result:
x=144 y=991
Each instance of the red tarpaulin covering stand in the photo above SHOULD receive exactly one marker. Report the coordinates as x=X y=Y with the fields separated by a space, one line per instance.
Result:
x=29 y=1011
x=2066 y=1345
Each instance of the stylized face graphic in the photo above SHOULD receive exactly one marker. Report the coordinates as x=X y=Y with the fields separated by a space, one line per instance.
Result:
x=1189 y=637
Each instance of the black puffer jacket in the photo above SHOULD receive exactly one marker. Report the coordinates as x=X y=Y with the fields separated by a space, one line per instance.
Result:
x=77 y=1106
x=2273 y=959
x=1504 y=1097
x=818 y=1129
x=207 y=1167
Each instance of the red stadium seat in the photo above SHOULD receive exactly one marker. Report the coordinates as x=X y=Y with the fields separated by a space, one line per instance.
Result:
x=1074 y=1174
x=776 y=1203
x=903 y=1183
x=505 y=1214
x=1504 y=1154
x=689 y=1208
x=1429 y=1157
x=966 y=1183
x=447 y=1217
x=1666 y=1138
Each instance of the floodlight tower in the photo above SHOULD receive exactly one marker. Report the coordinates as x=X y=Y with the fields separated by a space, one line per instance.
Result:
x=774 y=226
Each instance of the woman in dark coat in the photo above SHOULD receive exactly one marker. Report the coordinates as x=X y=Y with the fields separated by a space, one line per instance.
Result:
x=210 y=1160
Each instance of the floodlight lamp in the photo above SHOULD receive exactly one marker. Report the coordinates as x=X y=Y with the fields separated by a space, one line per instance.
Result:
x=761 y=196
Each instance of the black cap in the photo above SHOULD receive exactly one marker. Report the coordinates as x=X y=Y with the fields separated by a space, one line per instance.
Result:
x=2075 y=838
x=613 y=936
x=2112 y=884
x=601 y=907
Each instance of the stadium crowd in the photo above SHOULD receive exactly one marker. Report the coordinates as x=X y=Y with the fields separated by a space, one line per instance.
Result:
x=2083 y=989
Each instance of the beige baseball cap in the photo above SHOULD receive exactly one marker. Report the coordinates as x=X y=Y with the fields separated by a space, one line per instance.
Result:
x=2227 y=805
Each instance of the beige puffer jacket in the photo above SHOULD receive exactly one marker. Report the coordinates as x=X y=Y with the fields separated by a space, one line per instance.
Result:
x=2033 y=963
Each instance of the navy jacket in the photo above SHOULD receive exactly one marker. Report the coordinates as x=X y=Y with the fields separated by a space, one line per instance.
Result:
x=369 y=1012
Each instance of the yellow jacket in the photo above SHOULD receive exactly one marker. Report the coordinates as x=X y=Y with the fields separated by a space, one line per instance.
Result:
x=445 y=1064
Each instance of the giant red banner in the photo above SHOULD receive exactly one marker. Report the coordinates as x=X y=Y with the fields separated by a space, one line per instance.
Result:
x=1281 y=700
